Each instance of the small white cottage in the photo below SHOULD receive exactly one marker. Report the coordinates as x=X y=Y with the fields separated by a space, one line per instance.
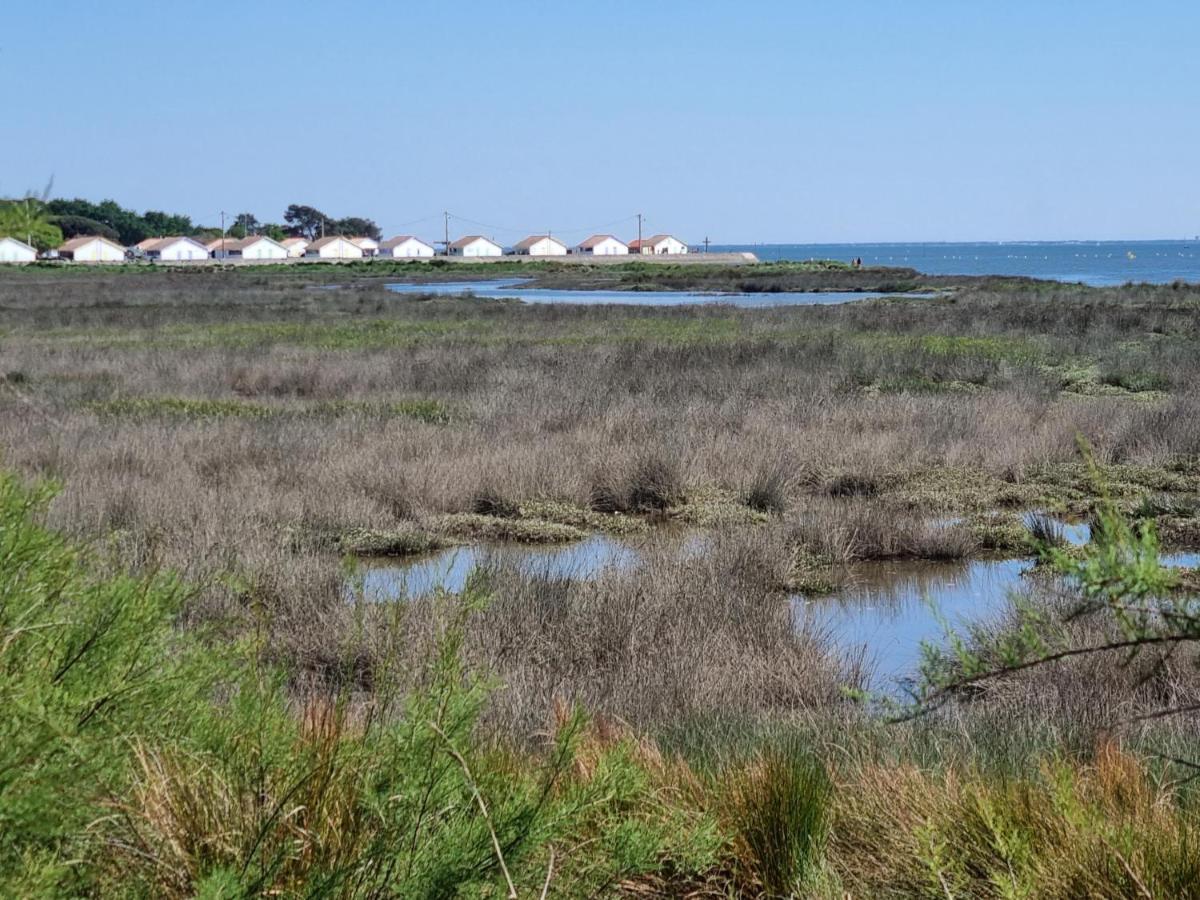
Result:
x=175 y=249
x=334 y=248
x=658 y=245
x=295 y=246
x=540 y=245
x=14 y=251
x=602 y=245
x=369 y=246
x=257 y=246
x=475 y=245
x=406 y=246
x=217 y=248
x=92 y=248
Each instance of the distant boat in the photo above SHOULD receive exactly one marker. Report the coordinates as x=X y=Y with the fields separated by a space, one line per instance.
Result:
x=1131 y=254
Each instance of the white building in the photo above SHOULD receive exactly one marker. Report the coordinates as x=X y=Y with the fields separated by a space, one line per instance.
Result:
x=369 y=246
x=407 y=246
x=175 y=249
x=295 y=246
x=92 y=248
x=602 y=245
x=475 y=245
x=14 y=251
x=333 y=248
x=658 y=245
x=540 y=245
x=217 y=247
x=257 y=246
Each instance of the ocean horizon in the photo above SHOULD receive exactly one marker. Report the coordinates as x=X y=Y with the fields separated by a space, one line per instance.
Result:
x=1100 y=263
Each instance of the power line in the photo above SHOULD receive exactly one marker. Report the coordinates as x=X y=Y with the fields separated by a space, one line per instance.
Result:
x=558 y=229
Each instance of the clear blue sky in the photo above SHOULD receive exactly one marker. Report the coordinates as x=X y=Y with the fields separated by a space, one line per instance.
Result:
x=769 y=121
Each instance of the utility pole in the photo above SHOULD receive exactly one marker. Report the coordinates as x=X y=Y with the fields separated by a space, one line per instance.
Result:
x=446 y=234
x=639 y=232
x=222 y=234
x=706 y=244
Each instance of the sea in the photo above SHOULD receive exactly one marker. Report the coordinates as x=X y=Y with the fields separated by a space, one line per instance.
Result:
x=1099 y=263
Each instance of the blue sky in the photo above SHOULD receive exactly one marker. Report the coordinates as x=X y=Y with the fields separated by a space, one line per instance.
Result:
x=768 y=121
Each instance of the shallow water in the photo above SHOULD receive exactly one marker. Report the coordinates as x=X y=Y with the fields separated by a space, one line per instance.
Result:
x=511 y=288
x=885 y=613
x=449 y=569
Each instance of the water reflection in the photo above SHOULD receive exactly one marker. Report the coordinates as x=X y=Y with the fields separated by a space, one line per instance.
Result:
x=887 y=610
x=449 y=569
x=511 y=288
x=890 y=608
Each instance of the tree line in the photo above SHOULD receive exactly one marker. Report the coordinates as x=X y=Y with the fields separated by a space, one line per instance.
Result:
x=47 y=223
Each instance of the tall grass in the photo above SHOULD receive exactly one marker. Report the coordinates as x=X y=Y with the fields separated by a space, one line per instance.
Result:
x=135 y=759
x=142 y=761
x=782 y=804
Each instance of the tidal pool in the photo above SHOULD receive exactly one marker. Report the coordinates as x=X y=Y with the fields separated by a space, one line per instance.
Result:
x=884 y=613
x=512 y=288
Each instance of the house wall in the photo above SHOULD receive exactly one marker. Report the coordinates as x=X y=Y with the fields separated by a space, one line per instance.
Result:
x=295 y=251
x=607 y=247
x=339 y=249
x=12 y=252
x=671 y=246
x=478 y=248
x=410 y=249
x=545 y=247
x=98 y=251
x=182 y=251
x=264 y=249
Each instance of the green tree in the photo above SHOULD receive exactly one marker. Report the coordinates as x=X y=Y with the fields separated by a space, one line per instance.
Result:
x=74 y=226
x=308 y=221
x=161 y=224
x=129 y=226
x=248 y=222
x=358 y=227
x=28 y=220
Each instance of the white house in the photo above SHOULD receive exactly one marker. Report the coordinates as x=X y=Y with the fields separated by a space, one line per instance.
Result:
x=295 y=246
x=14 y=251
x=540 y=245
x=475 y=245
x=369 y=246
x=175 y=249
x=658 y=245
x=602 y=245
x=257 y=246
x=334 y=248
x=92 y=248
x=407 y=246
x=217 y=248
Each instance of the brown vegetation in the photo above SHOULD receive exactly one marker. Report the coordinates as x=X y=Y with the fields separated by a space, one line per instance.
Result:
x=243 y=429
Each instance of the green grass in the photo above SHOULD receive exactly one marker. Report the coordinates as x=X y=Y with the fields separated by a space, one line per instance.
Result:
x=425 y=410
x=141 y=761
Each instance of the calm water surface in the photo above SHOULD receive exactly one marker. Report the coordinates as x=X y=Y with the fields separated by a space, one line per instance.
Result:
x=886 y=612
x=511 y=288
x=1091 y=262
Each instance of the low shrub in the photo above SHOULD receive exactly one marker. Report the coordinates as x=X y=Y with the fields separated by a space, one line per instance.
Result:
x=781 y=806
x=490 y=502
x=851 y=485
x=767 y=490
